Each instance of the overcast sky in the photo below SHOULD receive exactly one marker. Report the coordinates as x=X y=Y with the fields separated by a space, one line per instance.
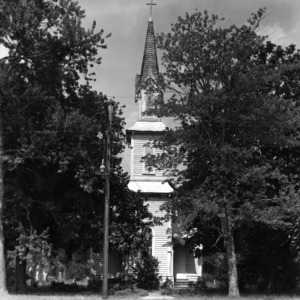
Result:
x=127 y=21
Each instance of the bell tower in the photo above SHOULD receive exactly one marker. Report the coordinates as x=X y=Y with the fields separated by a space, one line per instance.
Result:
x=176 y=262
x=147 y=129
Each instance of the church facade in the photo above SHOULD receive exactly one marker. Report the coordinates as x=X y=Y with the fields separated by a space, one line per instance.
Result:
x=176 y=262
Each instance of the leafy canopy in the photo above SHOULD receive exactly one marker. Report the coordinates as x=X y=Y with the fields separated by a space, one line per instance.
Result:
x=232 y=154
x=55 y=129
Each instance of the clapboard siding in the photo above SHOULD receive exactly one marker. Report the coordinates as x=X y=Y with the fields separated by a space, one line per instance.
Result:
x=138 y=154
x=160 y=250
x=160 y=236
x=154 y=205
x=138 y=143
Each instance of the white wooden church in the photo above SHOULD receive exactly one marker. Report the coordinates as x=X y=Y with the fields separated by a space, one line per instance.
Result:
x=176 y=262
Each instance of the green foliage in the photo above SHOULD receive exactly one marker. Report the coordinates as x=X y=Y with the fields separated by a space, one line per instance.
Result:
x=132 y=292
x=147 y=272
x=216 y=268
x=267 y=261
x=32 y=247
x=77 y=271
x=54 y=131
x=64 y=287
x=233 y=153
x=198 y=287
x=167 y=284
x=32 y=253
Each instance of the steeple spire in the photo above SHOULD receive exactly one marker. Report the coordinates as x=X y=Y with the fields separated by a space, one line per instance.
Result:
x=149 y=64
x=145 y=83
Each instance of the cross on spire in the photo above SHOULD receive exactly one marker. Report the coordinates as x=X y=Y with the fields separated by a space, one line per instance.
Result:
x=151 y=4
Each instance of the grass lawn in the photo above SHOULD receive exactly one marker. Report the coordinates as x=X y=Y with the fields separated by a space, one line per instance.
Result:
x=151 y=296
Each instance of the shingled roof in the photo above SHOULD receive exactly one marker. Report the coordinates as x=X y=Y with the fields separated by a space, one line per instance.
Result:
x=150 y=64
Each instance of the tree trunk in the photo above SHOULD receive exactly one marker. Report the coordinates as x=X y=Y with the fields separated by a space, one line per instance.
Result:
x=233 y=287
x=2 y=259
x=20 y=286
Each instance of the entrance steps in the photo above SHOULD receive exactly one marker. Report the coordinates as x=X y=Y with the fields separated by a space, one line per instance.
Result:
x=181 y=284
x=182 y=280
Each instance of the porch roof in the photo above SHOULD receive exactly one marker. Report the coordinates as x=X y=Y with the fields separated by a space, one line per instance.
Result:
x=150 y=187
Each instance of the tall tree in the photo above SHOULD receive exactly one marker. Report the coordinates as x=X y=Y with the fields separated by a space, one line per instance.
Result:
x=31 y=30
x=2 y=260
x=53 y=128
x=230 y=117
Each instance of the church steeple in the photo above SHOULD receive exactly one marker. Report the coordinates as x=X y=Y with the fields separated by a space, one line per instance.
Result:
x=149 y=64
x=147 y=129
x=145 y=82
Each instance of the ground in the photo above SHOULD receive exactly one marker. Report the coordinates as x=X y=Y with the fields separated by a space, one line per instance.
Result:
x=151 y=296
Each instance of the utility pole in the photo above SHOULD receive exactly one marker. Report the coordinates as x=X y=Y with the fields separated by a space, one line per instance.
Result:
x=106 y=169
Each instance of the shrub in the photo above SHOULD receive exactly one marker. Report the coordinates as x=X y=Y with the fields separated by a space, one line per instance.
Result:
x=77 y=271
x=216 y=269
x=167 y=284
x=147 y=272
x=198 y=287
x=63 y=287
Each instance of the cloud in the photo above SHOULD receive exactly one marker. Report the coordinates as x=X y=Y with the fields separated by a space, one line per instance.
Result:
x=294 y=37
x=278 y=35
x=274 y=33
